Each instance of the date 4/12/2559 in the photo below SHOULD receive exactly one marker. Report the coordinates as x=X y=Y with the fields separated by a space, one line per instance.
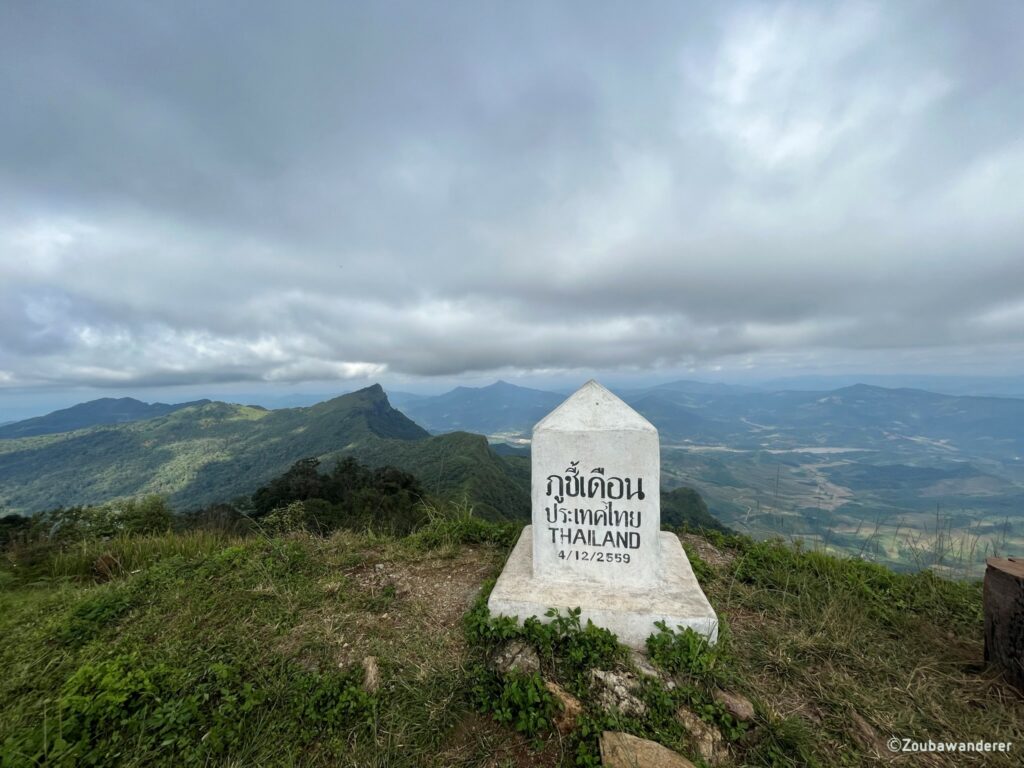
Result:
x=597 y=557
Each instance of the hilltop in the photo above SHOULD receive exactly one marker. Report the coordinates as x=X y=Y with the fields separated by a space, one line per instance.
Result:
x=203 y=647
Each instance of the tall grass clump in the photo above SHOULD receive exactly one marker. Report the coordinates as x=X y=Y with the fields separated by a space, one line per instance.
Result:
x=97 y=559
x=813 y=578
x=453 y=523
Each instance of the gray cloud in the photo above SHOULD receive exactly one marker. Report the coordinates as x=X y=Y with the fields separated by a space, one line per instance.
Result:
x=227 y=192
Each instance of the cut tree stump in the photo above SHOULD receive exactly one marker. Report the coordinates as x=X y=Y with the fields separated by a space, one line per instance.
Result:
x=1004 y=616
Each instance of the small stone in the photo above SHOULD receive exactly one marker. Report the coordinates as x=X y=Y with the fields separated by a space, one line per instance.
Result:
x=736 y=705
x=516 y=656
x=617 y=690
x=371 y=674
x=621 y=750
x=645 y=668
x=571 y=707
x=707 y=739
x=379 y=567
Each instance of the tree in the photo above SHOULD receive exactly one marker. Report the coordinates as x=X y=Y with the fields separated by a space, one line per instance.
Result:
x=149 y=514
x=302 y=481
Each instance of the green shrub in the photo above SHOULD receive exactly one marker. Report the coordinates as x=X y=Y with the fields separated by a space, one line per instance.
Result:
x=567 y=648
x=684 y=651
x=576 y=648
x=288 y=518
x=485 y=631
x=519 y=700
x=320 y=703
x=572 y=647
x=91 y=616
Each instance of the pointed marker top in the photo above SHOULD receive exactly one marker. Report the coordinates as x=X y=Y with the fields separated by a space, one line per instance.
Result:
x=592 y=407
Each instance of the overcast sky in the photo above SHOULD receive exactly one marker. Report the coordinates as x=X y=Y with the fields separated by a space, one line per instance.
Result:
x=236 y=193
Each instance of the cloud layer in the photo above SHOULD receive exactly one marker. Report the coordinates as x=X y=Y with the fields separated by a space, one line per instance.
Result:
x=254 y=192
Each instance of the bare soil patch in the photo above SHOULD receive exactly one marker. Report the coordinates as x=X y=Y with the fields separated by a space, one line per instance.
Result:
x=708 y=552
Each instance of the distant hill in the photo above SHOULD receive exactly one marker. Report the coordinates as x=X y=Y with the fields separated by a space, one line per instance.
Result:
x=401 y=399
x=496 y=409
x=214 y=451
x=688 y=386
x=977 y=386
x=504 y=409
x=106 y=410
x=860 y=468
x=858 y=416
x=865 y=416
x=684 y=506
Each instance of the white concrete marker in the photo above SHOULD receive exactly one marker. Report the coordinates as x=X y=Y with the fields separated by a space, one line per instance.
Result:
x=595 y=542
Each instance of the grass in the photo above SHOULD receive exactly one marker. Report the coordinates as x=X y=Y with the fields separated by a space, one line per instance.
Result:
x=856 y=654
x=206 y=648
x=124 y=554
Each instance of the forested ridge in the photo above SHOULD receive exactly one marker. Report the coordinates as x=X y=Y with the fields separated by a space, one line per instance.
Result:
x=214 y=451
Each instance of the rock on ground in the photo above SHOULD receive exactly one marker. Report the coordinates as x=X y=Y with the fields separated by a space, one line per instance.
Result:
x=617 y=690
x=621 y=750
x=647 y=669
x=516 y=656
x=736 y=705
x=571 y=707
x=707 y=739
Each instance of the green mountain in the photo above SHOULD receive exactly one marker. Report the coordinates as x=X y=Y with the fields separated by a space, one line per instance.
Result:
x=106 y=410
x=496 y=409
x=685 y=507
x=214 y=451
x=460 y=464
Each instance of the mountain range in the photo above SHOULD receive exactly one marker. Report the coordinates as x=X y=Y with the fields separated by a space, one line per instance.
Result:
x=106 y=410
x=211 y=451
x=857 y=416
x=498 y=409
x=860 y=468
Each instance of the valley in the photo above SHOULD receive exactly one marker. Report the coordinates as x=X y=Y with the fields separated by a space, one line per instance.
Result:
x=904 y=477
